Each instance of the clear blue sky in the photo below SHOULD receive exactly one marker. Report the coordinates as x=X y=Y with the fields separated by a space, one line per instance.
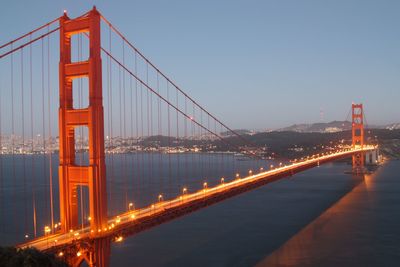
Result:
x=257 y=64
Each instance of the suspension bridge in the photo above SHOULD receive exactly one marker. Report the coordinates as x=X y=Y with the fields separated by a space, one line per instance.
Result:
x=124 y=152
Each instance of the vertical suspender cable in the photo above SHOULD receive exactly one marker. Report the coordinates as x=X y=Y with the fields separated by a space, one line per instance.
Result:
x=108 y=113
x=186 y=146
x=151 y=133
x=142 y=182
x=137 y=132
x=13 y=141
x=159 y=173
x=223 y=156
x=32 y=144
x=149 y=181
x=124 y=108
x=201 y=155
x=177 y=140
x=23 y=143
x=196 y=170
x=121 y=161
x=209 y=155
x=111 y=126
x=44 y=137
x=50 y=141
x=169 y=142
x=131 y=138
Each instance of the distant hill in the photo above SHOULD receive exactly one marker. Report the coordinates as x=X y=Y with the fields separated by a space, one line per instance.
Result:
x=332 y=127
x=238 y=131
x=320 y=127
x=329 y=127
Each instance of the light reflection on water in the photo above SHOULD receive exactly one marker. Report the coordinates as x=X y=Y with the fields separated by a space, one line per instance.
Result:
x=321 y=217
x=360 y=230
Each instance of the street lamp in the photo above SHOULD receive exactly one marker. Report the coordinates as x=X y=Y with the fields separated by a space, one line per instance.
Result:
x=160 y=198
x=47 y=230
x=130 y=206
x=222 y=180
x=184 y=190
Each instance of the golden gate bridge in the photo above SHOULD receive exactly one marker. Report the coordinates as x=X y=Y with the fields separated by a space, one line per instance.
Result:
x=113 y=101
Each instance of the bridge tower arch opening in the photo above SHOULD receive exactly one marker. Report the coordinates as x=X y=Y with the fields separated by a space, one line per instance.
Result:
x=72 y=175
x=358 y=136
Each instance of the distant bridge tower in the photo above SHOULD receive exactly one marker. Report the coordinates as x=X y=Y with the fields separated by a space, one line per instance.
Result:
x=357 y=135
x=71 y=175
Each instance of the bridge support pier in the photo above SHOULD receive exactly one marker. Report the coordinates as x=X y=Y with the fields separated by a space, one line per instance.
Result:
x=372 y=157
x=95 y=253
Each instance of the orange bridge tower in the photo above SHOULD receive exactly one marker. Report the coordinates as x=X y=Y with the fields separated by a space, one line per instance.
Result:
x=72 y=175
x=357 y=135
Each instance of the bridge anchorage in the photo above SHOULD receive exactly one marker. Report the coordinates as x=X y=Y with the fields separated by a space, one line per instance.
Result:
x=90 y=241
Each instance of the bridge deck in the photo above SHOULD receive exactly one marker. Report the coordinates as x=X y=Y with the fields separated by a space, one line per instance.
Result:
x=141 y=219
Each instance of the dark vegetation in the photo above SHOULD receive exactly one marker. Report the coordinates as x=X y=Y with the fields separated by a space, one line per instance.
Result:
x=29 y=257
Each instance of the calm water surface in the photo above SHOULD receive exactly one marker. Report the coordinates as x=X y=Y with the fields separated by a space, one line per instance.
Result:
x=321 y=217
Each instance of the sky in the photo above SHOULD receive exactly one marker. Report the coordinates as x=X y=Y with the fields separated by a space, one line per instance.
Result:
x=256 y=64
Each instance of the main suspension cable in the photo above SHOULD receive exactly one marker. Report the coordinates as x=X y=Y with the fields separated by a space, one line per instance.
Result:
x=250 y=153
x=171 y=82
